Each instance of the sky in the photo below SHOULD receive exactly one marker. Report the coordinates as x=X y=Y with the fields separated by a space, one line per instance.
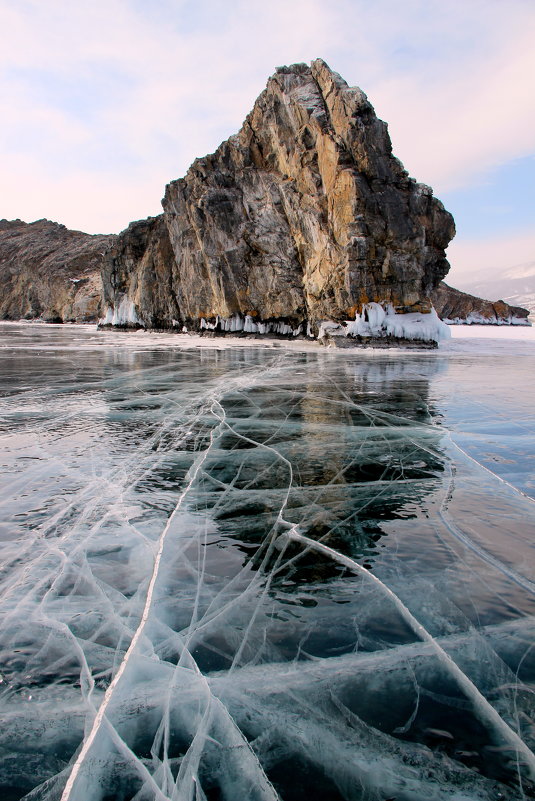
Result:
x=104 y=103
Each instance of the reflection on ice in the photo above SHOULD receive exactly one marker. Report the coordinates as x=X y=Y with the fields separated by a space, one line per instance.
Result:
x=260 y=574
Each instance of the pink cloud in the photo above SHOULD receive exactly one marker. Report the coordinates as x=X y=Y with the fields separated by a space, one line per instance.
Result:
x=452 y=117
x=489 y=255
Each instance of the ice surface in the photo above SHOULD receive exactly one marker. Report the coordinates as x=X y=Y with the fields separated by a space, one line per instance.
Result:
x=275 y=572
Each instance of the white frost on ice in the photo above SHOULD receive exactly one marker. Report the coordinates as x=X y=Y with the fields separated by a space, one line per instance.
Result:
x=376 y=321
x=123 y=314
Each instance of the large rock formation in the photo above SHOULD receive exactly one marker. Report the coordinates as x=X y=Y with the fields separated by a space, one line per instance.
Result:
x=303 y=222
x=50 y=272
x=458 y=307
x=303 y=216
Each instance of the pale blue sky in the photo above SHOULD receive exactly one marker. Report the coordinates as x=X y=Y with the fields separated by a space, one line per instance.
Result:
x=103 y=103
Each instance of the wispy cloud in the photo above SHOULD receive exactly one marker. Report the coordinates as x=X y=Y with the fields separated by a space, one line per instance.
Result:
x=102 y=103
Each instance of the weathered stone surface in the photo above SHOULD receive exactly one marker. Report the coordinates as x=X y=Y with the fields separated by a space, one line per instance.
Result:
x=50 y=272
x=141 y=270
x=304 y=215
x=459 y=307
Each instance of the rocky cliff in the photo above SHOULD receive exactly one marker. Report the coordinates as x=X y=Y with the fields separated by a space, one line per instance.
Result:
x=140 y=277
x=454 y=306
x=303 y=222
x=50 y=272
x=303 y=216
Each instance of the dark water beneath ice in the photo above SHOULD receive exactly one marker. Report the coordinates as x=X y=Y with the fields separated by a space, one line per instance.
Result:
x=257 y=573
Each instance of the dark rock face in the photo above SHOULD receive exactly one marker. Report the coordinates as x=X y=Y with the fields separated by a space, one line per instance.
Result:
x=459 y=307
x=50 y=272
x=140 y=274
x=304 y=215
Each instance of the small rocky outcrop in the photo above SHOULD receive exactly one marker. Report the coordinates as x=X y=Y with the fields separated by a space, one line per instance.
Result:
x=49 y=272
x=303 y=216
x=456 y=307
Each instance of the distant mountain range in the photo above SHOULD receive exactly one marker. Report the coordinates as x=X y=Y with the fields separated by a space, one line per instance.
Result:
x=515 y=286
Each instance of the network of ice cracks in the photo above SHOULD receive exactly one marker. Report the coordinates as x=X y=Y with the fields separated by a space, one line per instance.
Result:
x=247 y=575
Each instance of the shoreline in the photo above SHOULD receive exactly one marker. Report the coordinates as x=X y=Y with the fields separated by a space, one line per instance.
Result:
x=485 y=339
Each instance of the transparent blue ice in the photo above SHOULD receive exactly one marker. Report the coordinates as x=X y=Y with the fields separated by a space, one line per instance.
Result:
x=252 y=572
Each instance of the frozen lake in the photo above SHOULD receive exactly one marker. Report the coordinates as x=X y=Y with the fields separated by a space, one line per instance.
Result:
x=235 y=570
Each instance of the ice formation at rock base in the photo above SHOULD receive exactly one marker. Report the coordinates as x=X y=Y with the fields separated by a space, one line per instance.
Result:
x=374 y=323
x=478 y=319
x=123 y=315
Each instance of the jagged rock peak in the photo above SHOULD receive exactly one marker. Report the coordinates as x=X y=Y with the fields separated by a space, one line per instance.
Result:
x=305 y=214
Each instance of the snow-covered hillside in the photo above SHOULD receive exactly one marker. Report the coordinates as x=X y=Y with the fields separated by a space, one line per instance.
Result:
x=515 y=286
